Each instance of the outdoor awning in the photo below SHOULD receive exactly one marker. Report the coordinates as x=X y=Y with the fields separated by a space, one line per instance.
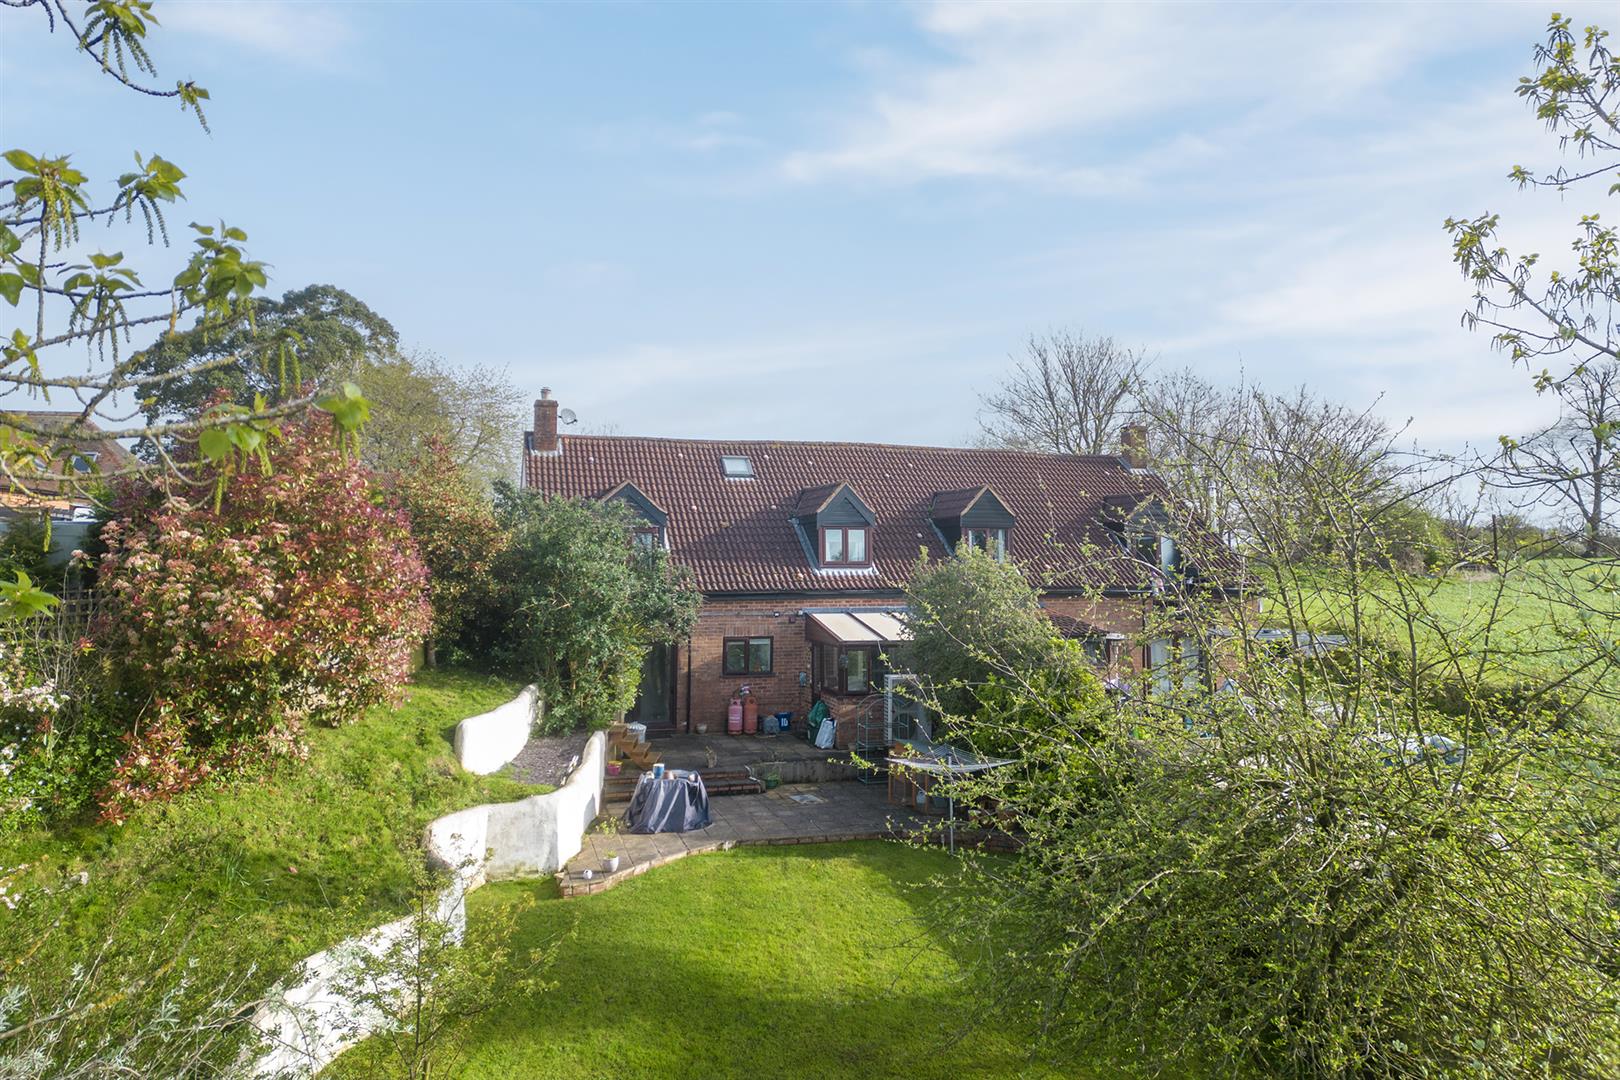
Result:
x=857 y=627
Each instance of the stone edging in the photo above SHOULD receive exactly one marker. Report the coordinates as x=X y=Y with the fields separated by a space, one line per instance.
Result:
x=309 y=1023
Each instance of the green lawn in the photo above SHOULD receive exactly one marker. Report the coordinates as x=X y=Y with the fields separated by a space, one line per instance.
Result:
x=261 y=870
x=1526 y=620
x=805 y=961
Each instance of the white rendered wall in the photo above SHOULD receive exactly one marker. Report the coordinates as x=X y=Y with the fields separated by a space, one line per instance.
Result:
x=310 y=1023
x=489 y=740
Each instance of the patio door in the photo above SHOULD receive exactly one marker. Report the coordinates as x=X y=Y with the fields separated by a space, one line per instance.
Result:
x=655 y=700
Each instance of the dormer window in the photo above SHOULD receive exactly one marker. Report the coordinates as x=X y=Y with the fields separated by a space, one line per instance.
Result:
x=650 y=532
x=1152 y=547
x=992 y=542
x=842 y=546
x=1143 y=528
x=648 y=538
x=974 y=517
x=836 y=526
x=737 y=467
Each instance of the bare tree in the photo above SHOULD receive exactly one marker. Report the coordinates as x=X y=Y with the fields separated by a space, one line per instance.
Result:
x=1215 y=446
x=1197 y=432
x=1574 y=464
x=1069 y=394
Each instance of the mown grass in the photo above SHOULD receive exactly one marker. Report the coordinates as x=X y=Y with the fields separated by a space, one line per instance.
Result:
x=1529 y=623
x=803 y=962
x=258 y=870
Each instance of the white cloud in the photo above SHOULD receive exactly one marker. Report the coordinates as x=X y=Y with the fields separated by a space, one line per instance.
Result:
x=307 y=32
x=1042 y=93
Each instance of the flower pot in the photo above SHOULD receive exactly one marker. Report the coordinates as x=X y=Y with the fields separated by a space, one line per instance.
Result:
x=610 y=864
x=613 y=768
x=703 y=729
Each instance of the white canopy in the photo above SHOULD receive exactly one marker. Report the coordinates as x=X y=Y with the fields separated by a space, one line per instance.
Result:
x=859 y=627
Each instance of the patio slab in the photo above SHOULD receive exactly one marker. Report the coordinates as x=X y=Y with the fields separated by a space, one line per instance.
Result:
x=839 y=811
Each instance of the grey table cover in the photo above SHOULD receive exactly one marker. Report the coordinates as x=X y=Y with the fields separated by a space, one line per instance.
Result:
x=677 y=803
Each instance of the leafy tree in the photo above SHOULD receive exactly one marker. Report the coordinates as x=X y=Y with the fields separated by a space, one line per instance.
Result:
x=322 y=337
x=92 y=302
x=1573 y=465
x=582 y=604
x=440 y=972
x=461 y=542
x=297 y=598
x=319 y=335
x=1538 y=313
x=166 y=1022
x=974 y=619
x=1369 y=861
x=25 y=547
x=473 y=413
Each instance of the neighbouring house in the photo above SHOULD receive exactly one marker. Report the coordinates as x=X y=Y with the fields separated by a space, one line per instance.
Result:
x=71 y=510
x=802 y=551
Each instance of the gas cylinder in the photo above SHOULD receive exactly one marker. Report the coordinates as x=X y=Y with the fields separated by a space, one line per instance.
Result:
x=734 y=717
x=750 y=715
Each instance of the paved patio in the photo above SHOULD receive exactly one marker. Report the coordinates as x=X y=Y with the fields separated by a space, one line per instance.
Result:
x=698 y=752
x=791 y=814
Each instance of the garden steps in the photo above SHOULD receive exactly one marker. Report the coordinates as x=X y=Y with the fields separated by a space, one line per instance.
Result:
x=618 y=789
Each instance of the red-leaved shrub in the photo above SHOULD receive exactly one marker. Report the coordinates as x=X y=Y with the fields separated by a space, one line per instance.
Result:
x=299 y=599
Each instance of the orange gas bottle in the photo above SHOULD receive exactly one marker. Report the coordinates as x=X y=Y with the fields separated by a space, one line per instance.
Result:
x=734 y=717
x=750 y=715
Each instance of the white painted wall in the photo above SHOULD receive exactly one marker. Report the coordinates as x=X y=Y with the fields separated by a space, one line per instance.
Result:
x=489 y=740
x=310 y=1023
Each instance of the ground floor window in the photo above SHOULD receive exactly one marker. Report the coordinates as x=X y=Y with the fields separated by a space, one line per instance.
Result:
x=748 y=656
x=1173 y=660
x=1102 y=652
x=847 y=669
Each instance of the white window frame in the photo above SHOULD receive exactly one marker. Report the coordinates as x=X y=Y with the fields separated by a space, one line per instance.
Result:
x=991 y=541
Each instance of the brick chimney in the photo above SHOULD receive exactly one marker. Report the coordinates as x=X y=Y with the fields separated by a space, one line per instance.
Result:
x=1133 y=445
x=545 y=423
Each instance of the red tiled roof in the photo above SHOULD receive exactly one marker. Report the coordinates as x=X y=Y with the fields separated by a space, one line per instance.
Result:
x=110 y=455
x=738 y=535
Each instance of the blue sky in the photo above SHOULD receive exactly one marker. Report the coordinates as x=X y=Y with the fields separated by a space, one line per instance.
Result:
x=837 y=220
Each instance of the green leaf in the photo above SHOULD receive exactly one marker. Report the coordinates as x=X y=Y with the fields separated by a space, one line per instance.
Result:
x=215 y=444
x=22 y=599
x=22 y=161
x=11 y=287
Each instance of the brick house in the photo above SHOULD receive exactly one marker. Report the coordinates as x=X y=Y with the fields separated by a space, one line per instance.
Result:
x=802 y=551
x=49 y=492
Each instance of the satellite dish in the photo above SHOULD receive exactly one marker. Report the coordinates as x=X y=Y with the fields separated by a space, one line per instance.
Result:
x=567 y=416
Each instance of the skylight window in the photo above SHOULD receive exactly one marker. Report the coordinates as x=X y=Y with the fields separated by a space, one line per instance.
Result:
x=738 y=468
